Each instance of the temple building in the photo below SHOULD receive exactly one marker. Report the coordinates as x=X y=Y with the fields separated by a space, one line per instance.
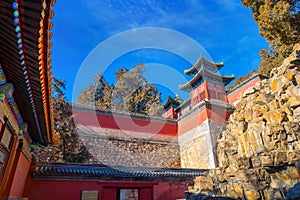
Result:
x=131 y=156
x=145 y=157
x=203 y=116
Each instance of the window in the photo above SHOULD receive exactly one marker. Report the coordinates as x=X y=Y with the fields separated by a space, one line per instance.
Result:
x=213 y=95
x=3 y=160
x=6 y=141
x=202 y=96
x=89 y=194
x=195 y=100
x=222 y=96
x=129 y=194
x=6 y=138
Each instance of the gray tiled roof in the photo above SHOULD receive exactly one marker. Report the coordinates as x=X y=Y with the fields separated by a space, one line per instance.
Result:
x=104 y=172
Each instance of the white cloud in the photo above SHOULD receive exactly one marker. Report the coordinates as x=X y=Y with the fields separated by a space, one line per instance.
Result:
x=117 y=15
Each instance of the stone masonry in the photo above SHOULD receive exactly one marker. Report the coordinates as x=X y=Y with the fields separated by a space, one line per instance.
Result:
x=120 y=151
x=197 y=147
x=132 y=152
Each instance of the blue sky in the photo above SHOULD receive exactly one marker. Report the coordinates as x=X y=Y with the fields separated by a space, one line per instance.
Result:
x=224 y=28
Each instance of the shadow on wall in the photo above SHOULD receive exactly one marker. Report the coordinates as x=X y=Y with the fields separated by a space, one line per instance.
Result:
x=70 y=148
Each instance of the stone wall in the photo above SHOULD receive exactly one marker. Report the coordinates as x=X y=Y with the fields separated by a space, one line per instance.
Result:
x=132 y=152
x=258 y=149
x=197 y=146
x=194 y=147
x=120 y=151
x=253 y=183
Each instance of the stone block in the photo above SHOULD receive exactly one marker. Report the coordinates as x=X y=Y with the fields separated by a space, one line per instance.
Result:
x=245 y=175
x=238 y=117
x=293 y=156
x=292 y=91
x=262 y=174
x=204 y=183
x=275 y=183
x=260 y=97
x=294 y=101
x=248 y=92
x=280 y=158
x=248 y=114
x=240 y=105
x=268 y=97
x=276 y=194
x=297 y=145
x=222 y=178
x=239 y=190
x=273 y=104
x=297 y=78
x=244 y=163
x=234 y=190
x=256 y=161
x=270 y=144
x=274 y=116
x=252 y=195
x=290 y=73
x=276 y=128
x=266 y=160
x=274 y=84
x=259 y=110
x=243 y=146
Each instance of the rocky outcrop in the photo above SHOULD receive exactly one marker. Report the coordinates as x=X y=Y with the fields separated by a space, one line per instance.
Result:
x=261 y=143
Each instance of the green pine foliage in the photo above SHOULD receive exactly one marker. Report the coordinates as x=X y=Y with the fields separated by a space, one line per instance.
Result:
x=131 y=93
x=64 y=124
x=98 y=93
x=240 y=79
x=279 y=24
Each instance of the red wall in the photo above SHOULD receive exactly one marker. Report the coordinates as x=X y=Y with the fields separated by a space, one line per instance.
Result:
x=71 y=190
x=169 y=113
x=192 y=122
x=217 y=115
x=20 y=177
x=198 y=118
x=165 y=191
x=234 y=96
x=125 y=123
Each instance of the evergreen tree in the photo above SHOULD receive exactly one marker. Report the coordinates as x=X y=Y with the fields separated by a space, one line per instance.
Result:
x=64 y=124
x=99 y=93
x=120 y=72
x=279 y=24
x=132 y=92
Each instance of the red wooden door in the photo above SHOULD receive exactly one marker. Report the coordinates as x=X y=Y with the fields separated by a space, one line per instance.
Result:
x=109 y=194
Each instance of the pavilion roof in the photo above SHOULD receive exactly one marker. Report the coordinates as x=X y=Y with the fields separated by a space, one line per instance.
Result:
x=203 y=62
x=25 y=59
x=202 y=74
x=176 y=101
